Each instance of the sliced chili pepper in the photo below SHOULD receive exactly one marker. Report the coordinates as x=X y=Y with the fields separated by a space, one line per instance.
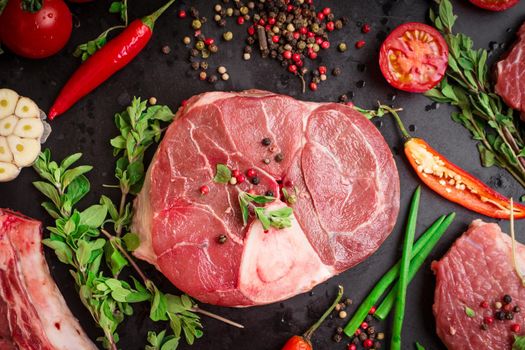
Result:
x=452 y=182
x=111 y=58
x=302 y=342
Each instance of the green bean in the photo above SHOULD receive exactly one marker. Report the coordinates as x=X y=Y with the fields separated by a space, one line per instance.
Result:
x=399 y=311
x=415 y=264
x=386 y=281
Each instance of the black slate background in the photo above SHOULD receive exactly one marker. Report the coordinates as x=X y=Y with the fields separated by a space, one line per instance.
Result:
x=88 y=126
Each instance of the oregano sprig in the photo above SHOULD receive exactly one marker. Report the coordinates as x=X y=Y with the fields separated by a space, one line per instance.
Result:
x=468 y=87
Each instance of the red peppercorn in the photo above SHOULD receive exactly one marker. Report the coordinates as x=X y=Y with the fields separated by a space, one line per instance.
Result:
x=240 y=178
x=365 y=28
x=310 y=34
x=251 y=173
x=262 y=22
x=299 y=63
x=275 y=38
x=372 y=310
x=325 y=44
x=313 y=86
x=368 y=343
x=303 y=30
x=360 y=44
x=236 y=173
x=287 y=54
x=240 y=20
x=357 y=332
x=322 y=69
x=484 y=304
x=184 y=103
x=508 y=307
x=318 y=40
x=320 y=16
x=326 y=11
x=267 y=27
x=292 y=68
x=204 y=190
x=296 y=57
x=289 y=8
x=352 y=347
x=515 y=328
x=296 y=35
x=350 y=104
x=364 y=325
x=182 y=14
x=251 y=30
x=209 y=41
x=330 y=26
x=271 y=21
x=312 y=55
x=488 y=320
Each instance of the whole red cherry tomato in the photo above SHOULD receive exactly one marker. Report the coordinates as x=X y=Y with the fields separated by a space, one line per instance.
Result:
x=414 y=57
x=495 y=5
x=36 y=34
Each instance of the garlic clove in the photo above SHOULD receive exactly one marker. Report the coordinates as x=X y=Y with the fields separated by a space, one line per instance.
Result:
x=26 y=108
x=7 y=125
x=5 y=152
x=25 y=151
x=29 y=128
x=8 y=171
x=8 y=100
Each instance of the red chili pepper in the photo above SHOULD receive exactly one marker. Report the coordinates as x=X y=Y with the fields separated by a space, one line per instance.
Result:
x=111 y=58
x=452 y=182
x=302 y=342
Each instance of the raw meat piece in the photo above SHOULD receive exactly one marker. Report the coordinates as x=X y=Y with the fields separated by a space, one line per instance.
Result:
x=510 y=84
x=344 y=173
x=477 y=268
x=33 y=313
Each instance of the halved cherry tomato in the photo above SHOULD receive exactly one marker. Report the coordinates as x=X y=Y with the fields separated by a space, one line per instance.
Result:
x=495 y=5
x=414 y=57
x=39 y=34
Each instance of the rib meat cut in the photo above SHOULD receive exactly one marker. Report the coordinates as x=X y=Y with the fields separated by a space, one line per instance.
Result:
x=33 y=313
x=510 y=84
x=336 y=160
x=478 y=268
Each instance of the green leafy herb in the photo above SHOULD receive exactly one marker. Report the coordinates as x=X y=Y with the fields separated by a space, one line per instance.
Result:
x=31 y=5
x=480 y=110
x=290 y=198
x=3 y=4
x=223 y=174
x=86 y=50
x=469 y=312
x=519 y=342
x=419 y=346
x=278 y=218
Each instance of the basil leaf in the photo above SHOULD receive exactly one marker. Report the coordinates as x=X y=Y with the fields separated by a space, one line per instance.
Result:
x=223 y=174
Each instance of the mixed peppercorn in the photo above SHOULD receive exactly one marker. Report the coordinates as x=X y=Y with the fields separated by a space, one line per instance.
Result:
x=289 y=31
x=502 y=310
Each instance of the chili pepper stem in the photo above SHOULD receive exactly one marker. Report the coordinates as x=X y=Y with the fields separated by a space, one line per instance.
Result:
x=150 y=19
x=399 y=123
x=308 y=334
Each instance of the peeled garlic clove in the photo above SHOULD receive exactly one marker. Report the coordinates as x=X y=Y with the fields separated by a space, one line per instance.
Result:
x=5 y=152
x=8 y=171
x=8 y=100
x=30 y=128
x=25 y=151
x=7 y=125
x=26 y=108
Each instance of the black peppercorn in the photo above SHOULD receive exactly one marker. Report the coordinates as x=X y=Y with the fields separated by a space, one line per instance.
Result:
x=507 y=299
x=370 y=330
x=337 y=338
x=279 y=157
x=336 y=71
x=213 y=79
x=269 y=194
x=509 y=316
x=377 y=345
x=256 y=180
x=195 y=65
x=517 y=309
x=369 y=318
x=339 y=330
x=343 y=98
x=363 y=336
x=484 y=326
x=348 y=301
x=222 y=239
x=500 y=315
x=266 y=141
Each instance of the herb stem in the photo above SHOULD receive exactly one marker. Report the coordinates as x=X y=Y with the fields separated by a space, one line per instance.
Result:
x=115 y=241
x=308 y=334
x=399 y=122
x=122 y=208
x=197 y=309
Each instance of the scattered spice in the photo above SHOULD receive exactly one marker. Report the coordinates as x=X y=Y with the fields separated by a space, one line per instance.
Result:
x=266 y=141
x=343 y=314
x=152 y=100
x=342 y=47
x=225 y=76
x=507 y=299
x=186 y=40
x=222 y=239
x=337 y=338
x=360 y=44
x=515 y=328
x=279 y=157
x=366 y=28
x=227 y=36
x=166 y=50
x=256 y=180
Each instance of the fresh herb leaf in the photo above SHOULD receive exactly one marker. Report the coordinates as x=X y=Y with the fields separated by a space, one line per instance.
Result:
x=469 y=312
x=279 y=218
x=131 y=240
x=223 y=174
x=120 y=7
x=94 y=216
x=519 y=342
x=419 y=346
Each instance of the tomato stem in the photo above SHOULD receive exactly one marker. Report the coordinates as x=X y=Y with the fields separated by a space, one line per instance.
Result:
x=150 y=19
x=399 y=122
x=308 y=334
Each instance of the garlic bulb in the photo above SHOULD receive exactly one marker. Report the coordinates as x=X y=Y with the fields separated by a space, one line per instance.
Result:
x=21 y=131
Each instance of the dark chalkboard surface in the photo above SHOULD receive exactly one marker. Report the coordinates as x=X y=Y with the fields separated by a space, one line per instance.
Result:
x=88 y=126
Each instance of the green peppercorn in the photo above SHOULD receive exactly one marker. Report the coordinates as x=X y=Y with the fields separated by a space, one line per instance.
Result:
x=244 y=10
x=199 y=45
x=228 y=36
x=196 y=24
x=229 y=12
x=342 y=47
x=205 y=53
